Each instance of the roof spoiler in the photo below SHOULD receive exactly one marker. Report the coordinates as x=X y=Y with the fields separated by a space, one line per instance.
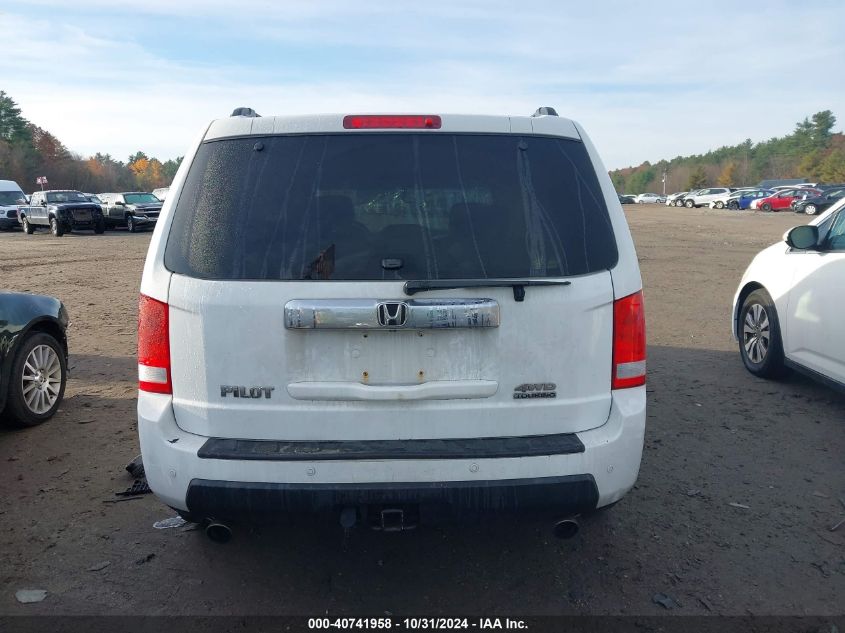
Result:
x=545 y=111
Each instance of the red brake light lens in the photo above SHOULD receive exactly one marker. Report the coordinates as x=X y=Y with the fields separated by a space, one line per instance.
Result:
x=153 y=346
x=629 y=344
x=391 y=121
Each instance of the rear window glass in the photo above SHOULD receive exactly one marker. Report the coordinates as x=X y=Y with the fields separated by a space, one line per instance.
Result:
x=370 y=206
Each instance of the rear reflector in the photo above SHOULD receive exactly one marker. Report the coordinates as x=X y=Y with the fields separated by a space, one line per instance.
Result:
x=153 y=346
x=388 y=121
x=629 y=350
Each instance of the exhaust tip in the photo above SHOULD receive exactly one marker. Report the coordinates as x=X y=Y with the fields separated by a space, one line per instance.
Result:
x=218 y=532
x=566 y=529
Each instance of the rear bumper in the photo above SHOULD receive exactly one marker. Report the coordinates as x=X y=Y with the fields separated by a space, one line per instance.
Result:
x=434 y=501
x=564 y=483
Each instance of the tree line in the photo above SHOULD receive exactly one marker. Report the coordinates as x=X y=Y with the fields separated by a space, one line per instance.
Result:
x=28 y=151
x=812 y=152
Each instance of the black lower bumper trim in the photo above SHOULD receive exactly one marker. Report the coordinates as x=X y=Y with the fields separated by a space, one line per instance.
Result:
x=470 y=448
x=553 y=496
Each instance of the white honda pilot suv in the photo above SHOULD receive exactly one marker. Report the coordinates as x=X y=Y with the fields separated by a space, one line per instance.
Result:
x=391 y=319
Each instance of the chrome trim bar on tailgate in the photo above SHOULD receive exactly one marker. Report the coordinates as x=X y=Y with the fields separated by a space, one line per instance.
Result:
x=363 y=314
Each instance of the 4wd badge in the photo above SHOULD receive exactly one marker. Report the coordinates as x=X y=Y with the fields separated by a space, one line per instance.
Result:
x=535 y=390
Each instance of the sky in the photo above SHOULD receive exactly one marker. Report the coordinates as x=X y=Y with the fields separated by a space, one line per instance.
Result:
x=648 y=80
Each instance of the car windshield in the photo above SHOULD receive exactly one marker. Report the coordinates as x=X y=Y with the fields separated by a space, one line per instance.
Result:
x=140 y=198
x=12 y=197
x=376 y=206
x=65 y=196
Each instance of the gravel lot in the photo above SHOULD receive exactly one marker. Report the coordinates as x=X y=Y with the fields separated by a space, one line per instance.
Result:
x=716 y=436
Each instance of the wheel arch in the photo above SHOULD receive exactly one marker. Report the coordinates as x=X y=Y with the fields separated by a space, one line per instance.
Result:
x=45 y=324
x=747 y=289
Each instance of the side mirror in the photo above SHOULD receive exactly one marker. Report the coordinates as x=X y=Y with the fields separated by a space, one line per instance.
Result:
x=118 y=203
x=803 y=237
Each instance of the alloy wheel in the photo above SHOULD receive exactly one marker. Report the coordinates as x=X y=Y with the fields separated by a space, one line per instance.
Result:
x=756 y=333
x=41 y=380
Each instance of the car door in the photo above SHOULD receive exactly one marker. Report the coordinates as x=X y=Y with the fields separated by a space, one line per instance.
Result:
x=814 y=336
x=782 y=200
x=38 y=212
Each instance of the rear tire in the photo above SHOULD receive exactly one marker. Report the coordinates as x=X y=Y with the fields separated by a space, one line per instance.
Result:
x=760 y=343
x=27 y=227
x=766 y=207
x=39 y=355
x=56 y=227
x=733 y=205
x=720 y=205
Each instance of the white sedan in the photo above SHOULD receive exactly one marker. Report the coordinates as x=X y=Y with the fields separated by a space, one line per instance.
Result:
x=788 y=309
x=649 y=197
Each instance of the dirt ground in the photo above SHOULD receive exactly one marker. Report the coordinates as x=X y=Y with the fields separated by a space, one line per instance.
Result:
x=716 y=436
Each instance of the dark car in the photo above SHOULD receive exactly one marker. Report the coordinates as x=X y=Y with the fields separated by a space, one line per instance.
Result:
x=132 y=209
x=33 y=357
x=62 y=211
x=626 y=200
x=816 y=204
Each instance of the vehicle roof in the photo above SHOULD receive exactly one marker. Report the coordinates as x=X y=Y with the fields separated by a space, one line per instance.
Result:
x=333 y=123
x=59 y=191
x=9 y=185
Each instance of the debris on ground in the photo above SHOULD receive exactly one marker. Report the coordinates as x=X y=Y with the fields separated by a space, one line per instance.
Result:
x=667 y=602
x=138 y=487
x=145 y=559
x=734 y=504
x=705 y=603
x=26 y=596
x=136 y=468
x=820 y=495
x=99 y=566
x=693 y=493
x=121 y=499
x=172 y=522
x=836 y=526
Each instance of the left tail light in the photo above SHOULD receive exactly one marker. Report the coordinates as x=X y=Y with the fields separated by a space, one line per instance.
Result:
x=153 y=346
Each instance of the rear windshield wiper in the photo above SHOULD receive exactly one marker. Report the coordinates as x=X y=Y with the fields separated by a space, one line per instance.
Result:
x=414 y=286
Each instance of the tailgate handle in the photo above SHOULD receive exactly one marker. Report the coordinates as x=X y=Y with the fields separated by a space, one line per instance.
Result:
x=433 y=390
x=390 y=314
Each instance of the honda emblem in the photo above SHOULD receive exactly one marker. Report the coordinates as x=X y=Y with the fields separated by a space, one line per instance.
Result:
x=392 y=313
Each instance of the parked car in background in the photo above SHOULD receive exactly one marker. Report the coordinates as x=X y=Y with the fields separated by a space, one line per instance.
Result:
x=742 y=199
x=93 y=198
x=33 y=357
x=676 y=199
x=161 y=193
x=813 y=205
x=787 y=311
x=783 y=198
x=651 y=198
x=720 y=202
x=626 y=199
x=703 y=197
x=62 y=211
x=132 y=209
x=12 y=198
x=521 y=225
